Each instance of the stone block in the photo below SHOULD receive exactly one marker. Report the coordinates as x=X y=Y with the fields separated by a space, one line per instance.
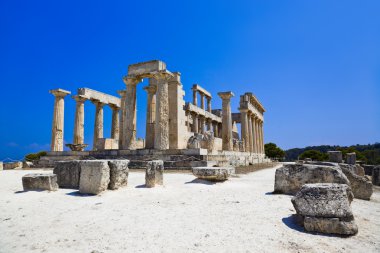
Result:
x=213 y=173
x=106 y=144
x=1 y=166
x=12 y=165
x=38 y=182
x=94 y=176
x=68 y=174
x=361 y=186
x=27 y=165
x=368 y=169
x=351 y=158
x=118 y=173
x=335 y=156
x=376 y=176
x=154 y=173
x=330 y=226
x=144 y=68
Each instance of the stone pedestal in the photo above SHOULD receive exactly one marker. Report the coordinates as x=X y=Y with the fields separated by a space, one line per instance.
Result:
x=58 y=118
x=226 y=120
x=213 y=173
x=351 y=158
x=118 y=173
x=39 y=182
x=79 y=120
x=335 y=156
x=154 y=173
x=94 y=177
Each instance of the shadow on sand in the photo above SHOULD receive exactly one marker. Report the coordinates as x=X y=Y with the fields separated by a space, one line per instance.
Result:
x=78 y=194
x=201 y=181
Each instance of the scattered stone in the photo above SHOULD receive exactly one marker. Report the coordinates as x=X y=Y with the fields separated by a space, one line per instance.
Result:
x=335 y=156
x=326 y=208
x=27 y=165
x=291 y=177
x=94 y=176
x=368 y=169
x=375 y=176
x=356 y=169
x=361 y=186
x=351 y=158
x=35 y=182
x=154 y=173
x=68 y=174
x=195 y=142
x=118 y=173
x=208 y=141
x=12 y=165
x=213 y=173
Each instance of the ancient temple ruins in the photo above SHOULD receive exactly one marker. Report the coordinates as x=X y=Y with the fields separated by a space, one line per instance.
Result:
x=183 y=134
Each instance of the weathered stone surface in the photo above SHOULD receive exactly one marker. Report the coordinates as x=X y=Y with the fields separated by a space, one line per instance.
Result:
x=68 y=174
x=356 y=169
x=291 y=177
x=1 y=166
x=144 y=68
x=213 y=173
x=12 y=165
x=76 y=147
x=154 y=173
x=27 y=165
x=36 y=182
x=335 y=156
x=94 y=176
x=118 y=173
x=326 y=208
x=351 y=158
x=368 y=169
x=208 y=141
x=376 y=175
x=107 y=143
x=195 y=142
x=361 y=186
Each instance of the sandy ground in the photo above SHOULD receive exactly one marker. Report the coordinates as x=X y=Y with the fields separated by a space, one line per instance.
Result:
x=186 y=215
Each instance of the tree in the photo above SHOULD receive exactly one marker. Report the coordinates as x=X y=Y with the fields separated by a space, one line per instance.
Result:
x=274 y=152
x=315 y=155
x=34 y=156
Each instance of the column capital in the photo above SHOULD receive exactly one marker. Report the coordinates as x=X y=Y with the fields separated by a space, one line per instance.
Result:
x=131 y=80
x=245 y=110
x=60 y=92
x=122 y=93
x=97 y=102
x=79 y=98
x=226 y=95
x=163 y=75
x=114 y=107
x=150 y=89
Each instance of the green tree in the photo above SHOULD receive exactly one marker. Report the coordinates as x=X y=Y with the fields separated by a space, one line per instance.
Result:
x=315 y=155
x=274 y=152
x=34 y=156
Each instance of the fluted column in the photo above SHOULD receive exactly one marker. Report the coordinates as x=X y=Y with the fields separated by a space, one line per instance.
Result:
x=115 y=128
x=98 y=128
x=209 y=104
x=262 y=137
x=129 y=130
x=150 y=116
x=123 y=94
x=202 y=124
x=195 y=122
x=226 y=120
x=79 y=120
x=250 y=133
x=202 y=101
x=195 y=98
x=245 y=128
x=256 y=132
x=58 y=119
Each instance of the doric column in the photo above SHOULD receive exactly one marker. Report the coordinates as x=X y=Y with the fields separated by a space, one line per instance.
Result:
x=195 y=98
x=262 y=137
x=115 y=128
x=195 y=122
x=150 y=116
x=122 y=127
x=161 y=131
x=256 y=132
x=58 y=119
x=202 y=124
x=209 y=124
x=129 y=131
x=202 y=101
x=79 y=120
x=209 y=104
x=250 y=133
x=98 y=128
x=245 y=128
x=226 y=120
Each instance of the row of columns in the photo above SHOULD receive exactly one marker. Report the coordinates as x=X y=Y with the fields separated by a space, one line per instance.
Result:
x=203 y=96
x=201 y=123
x=252 y=132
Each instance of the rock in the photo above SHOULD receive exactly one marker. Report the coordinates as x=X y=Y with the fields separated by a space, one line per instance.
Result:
x=361 y=186
x=194 y=142
x=118 y=173
x=356 y=169
x=335 y=156
x=375 y=176
x=213 y=173
x=368 y=169
x=1 y=166
x=12 y=166
x=94 y=176
x=291 y=177
x=68 y=174
x=76 y=147
x=351 y=158
x=208 y=141
x=154 y=173
x=326 y=208
x=308 y=160
x=27 y=165
x=36 y=182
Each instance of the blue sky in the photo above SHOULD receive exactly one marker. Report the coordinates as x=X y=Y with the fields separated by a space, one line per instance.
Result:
x=315 y=65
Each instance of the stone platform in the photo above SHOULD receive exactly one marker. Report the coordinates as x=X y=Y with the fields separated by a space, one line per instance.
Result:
x=179 y=159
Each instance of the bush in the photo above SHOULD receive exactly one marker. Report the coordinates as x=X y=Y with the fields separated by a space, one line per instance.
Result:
x=35 y=156
x=274 y=152
x=314 y=155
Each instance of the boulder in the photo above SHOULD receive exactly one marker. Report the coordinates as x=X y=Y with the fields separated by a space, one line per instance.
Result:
x=375 y=175
x=361 y=186
x=38 y=182
x=154 y=173
x=213 y=173
x=335 y=156
x=12 y=166
x=94 y=176
x=27 y=165
x=356 y=169
x=68 y=174
x=326 y=208
x=291 y=177
x=118 y=173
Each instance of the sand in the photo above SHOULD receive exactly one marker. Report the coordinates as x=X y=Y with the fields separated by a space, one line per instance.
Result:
x=185 y=215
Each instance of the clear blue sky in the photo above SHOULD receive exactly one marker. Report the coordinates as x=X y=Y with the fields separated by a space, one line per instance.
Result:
x=315 y=65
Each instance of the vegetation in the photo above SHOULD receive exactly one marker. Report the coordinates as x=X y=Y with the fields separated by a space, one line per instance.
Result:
x=34 y=156
x=274 y=152
x=315 y=155
x=369 y=154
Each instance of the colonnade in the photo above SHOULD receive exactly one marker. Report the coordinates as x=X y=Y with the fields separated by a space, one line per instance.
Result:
x=252 y=132
x=204 y=95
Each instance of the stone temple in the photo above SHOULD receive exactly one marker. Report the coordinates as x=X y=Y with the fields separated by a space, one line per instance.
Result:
x=182 y=134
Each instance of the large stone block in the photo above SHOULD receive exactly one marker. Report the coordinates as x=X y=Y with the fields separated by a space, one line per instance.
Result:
x=376 y=176
x=213 y=173
x=326 y=208
x=94 y=176
x=291 y=177
x=351 y=158
x=37 y=182
x=361 y=185
x=68 y=174
x=368 y=169
x=335 y=156
x=106 y=144
x=144 y=68
x=12 y=165
x=118 y=173
x=1 y=166
x=154 y=173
